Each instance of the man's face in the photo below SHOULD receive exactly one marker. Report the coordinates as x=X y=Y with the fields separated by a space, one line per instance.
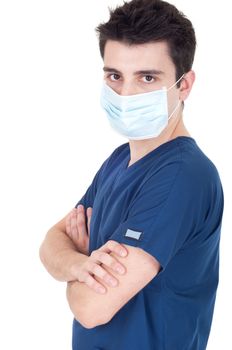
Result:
x=137 y=69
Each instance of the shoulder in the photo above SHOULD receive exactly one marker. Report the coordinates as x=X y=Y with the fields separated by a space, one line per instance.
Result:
x=185 y=168
x=121 y=150
x=118 y=152
x=196 y=166
x=198 y=180
x=116 y=156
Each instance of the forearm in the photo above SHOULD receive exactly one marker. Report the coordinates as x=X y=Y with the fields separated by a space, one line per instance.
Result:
x=90 y=308
x=59 y=255
x=84 y=304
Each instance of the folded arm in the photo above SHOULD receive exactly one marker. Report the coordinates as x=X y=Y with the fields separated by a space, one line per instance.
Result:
x=59 y=254
x=92 y=309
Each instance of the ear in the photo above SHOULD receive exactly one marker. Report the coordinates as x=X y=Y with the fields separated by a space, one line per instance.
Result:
x=186 y=85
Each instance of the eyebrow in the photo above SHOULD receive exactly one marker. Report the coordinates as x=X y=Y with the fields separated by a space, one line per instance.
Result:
x=146 y=71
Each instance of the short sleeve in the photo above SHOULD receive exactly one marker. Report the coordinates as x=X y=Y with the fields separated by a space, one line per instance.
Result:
x=168 y=212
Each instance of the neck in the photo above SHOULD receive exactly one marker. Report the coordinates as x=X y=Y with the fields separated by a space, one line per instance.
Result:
x=139 y=148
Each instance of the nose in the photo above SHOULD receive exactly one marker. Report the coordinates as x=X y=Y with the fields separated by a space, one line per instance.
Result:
x=127 y=89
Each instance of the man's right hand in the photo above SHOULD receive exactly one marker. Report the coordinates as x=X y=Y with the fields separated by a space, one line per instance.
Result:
x=94 y=265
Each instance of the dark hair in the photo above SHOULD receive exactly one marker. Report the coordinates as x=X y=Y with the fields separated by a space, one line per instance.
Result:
x=143 y=21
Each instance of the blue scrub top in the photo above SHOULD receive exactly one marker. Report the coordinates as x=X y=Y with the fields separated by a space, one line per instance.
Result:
x=173 y=198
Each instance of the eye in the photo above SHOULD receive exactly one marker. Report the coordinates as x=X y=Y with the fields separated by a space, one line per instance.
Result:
x=114 y=77
x=149 y=79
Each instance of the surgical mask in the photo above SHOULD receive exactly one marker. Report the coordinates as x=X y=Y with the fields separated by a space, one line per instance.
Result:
x=140 y=116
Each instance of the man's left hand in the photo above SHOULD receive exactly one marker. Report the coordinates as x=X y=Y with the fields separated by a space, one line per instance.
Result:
x=77 y=229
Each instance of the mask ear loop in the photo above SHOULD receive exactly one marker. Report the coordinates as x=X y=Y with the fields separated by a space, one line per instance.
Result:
x=176 y=82
x=179 y=102
x=175 y=109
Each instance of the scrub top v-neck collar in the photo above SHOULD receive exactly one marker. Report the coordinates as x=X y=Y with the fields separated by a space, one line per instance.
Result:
x=163 y=147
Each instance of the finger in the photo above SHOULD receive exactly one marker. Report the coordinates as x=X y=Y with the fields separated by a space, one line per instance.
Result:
x=92 y=283
x=81 y=221
x=104 y=275
x=106 y=259
x=74 y=231
x=89 y=214
x=113 y=246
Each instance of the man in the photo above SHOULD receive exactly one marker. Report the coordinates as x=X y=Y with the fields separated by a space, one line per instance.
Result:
x=156 y=199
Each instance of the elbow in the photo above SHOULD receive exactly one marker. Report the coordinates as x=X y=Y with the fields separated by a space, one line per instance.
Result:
x=89 y=322
x=42 y=254
x=81 y=312
x=86 y=322
x=44 y=257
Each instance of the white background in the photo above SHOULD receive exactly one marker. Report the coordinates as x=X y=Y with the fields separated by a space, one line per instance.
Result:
x=54 y=137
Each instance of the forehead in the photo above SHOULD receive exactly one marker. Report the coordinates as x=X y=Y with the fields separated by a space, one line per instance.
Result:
x=124 y=57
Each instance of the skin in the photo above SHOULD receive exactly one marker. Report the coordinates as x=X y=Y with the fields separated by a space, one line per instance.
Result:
x=79 y=231
x=76 y=228
x=63 y=260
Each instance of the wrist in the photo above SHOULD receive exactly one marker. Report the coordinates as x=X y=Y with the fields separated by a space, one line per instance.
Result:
x=74 y=265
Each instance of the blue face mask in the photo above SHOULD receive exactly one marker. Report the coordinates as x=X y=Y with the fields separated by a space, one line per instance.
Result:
x=140 y=116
